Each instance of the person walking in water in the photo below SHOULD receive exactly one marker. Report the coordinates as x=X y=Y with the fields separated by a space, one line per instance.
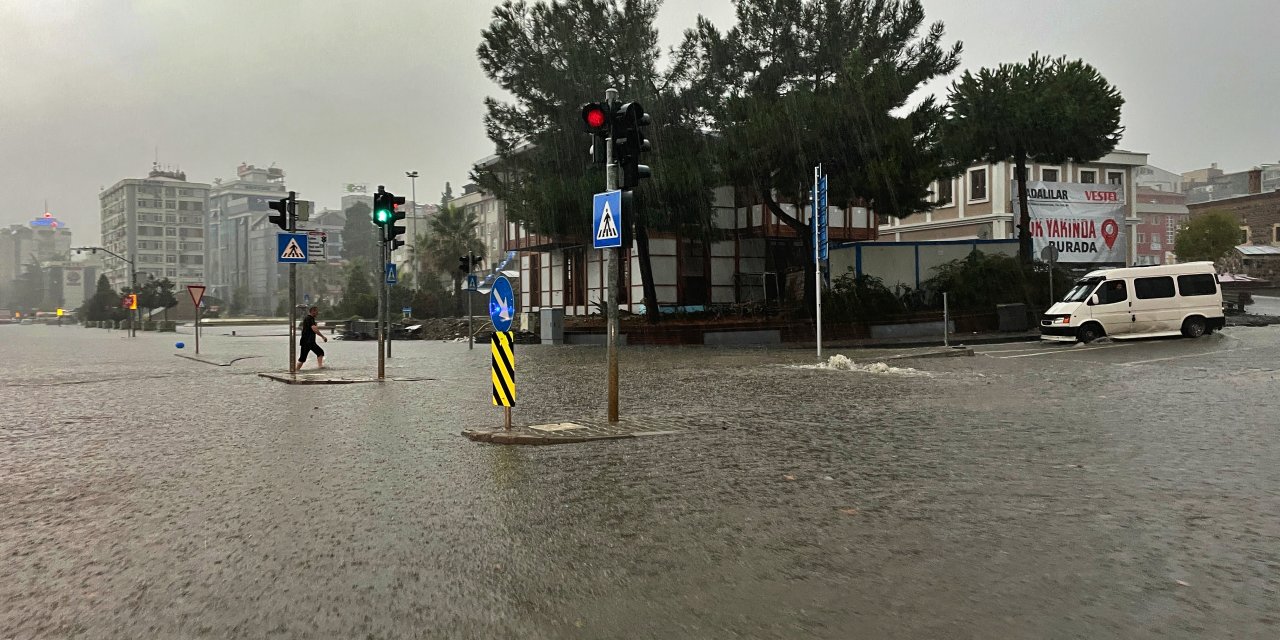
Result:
x=307 y=341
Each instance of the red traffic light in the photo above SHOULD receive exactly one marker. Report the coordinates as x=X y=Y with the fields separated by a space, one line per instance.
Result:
x=595 y=117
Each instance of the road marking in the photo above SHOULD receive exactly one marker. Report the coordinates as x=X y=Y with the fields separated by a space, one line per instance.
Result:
x=1064 y=351
x=1185 y=355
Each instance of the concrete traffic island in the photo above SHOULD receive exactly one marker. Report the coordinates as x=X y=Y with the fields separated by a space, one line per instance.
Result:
x=583 y=431
x=325 y=378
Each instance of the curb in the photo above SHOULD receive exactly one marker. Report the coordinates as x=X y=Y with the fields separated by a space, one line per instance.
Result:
x=513 y=437
x=953 y=352
x=212 y=362
x=295 y=379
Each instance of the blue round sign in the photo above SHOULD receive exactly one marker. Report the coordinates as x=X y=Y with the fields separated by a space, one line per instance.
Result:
x=502 y=304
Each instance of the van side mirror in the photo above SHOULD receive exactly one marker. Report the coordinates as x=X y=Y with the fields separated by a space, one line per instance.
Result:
x=1093 y=299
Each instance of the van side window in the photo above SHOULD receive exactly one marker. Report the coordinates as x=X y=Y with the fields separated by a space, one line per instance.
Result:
x=1113 y=291
x=1157 y=287
x=1199 y=284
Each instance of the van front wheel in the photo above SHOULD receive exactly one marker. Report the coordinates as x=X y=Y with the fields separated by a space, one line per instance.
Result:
x=1194 y=327
x=1089 y=333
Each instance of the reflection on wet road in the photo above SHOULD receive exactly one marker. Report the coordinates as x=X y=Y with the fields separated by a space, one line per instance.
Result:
x=1104 y=491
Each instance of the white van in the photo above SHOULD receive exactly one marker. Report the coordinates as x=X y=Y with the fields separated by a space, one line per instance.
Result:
x=1163 y=300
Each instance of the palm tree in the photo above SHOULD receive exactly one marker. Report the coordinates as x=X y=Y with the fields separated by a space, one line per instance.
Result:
x=450 y=233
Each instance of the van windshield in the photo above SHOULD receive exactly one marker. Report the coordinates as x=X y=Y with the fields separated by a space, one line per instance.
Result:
x=1081 y=291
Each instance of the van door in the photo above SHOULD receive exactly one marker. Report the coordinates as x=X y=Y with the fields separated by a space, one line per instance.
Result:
x=1155 y=305
x=1112 y=309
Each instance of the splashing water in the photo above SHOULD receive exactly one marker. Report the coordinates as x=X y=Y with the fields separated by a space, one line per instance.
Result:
x=841 y=362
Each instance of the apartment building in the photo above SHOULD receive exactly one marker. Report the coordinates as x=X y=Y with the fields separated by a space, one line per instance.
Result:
x=160 y=222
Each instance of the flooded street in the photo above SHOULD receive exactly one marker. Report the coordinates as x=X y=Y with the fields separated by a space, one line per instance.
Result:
x=1114 y=490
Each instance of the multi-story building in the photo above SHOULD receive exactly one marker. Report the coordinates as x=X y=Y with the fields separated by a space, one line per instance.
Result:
x=1211 y=184
x=159 y=221
x=1157 y=179
x=28 y=249
x=979 y=203
x=754 y=256
x=1161 y=214
x=1259 y=219
x=241 y=241
x=491 y=221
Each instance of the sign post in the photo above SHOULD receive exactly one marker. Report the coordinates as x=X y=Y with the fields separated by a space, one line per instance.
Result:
x=502 y=310
x=607 y=235
x=291 y=249
x=392 y=277
x=197 y=295
x=819 y=222
x=1050 y=255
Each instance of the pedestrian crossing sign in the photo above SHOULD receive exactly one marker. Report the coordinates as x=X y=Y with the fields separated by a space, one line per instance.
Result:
x=607 y=220
x=292 y=247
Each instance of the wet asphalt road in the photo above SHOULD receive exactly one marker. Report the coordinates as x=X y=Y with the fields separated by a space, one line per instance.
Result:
x=1123 y=490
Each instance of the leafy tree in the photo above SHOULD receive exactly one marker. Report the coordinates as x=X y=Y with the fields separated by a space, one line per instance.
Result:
x=450 y=233
x=446 y=195
x=360 y=238
x=1211 y=236
x=538 y=54
x=157 y=294
x=104 y=303
x=358 y=297
x=798 y=82
x=1049 y=110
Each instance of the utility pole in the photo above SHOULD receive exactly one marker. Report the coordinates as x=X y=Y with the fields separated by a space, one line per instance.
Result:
x=386 y=299
x=612 y=262
x=413 y=210
x=471 y=268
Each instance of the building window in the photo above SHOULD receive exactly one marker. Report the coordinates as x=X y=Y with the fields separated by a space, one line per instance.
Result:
x=1170 y=228
x=943 y=192
x=1049 y=175
x=1088 y=176
x=1244 y=235
x=1142 y=238
x=1115 y=177
x=977 y=185
x=1275 y=234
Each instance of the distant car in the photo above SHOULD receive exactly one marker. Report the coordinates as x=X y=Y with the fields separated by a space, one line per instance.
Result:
x=1136 y=302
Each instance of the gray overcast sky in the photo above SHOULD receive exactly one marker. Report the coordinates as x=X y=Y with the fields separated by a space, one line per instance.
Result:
x=91 y=88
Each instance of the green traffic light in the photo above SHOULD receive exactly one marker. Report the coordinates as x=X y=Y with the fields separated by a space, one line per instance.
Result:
x=382 y=216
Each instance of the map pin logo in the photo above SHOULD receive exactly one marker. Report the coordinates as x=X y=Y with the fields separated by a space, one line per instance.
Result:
x=1110 y=230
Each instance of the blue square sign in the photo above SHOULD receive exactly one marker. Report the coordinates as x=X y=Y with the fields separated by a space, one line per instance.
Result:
x=606 y=226
x=291 y=247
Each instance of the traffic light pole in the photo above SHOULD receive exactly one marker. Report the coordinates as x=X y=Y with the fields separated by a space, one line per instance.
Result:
x=382 y=298
x=612 y=257
x=386 y=304
x=293 y=289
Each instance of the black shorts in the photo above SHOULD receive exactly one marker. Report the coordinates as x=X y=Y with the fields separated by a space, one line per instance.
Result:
x=309 y=347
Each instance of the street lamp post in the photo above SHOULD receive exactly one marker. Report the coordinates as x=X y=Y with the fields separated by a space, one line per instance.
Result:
x=413 y=211
x=133 y=281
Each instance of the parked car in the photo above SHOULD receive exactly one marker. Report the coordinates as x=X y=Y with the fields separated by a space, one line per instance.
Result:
x=1135 y=302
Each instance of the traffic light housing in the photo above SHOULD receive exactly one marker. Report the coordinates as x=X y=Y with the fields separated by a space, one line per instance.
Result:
x=596 y=120
x=464 y=264
x=391 y=230
x=382 y=207
x=280 y=219
x=629 y=142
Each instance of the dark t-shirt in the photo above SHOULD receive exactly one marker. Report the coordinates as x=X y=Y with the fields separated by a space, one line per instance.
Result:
x=308 y=331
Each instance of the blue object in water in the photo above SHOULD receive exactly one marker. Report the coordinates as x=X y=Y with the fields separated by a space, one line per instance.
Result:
x=180 y=345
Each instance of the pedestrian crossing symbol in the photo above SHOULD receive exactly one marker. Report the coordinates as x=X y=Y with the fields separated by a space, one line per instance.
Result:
x=607 y=216
x=292 y=247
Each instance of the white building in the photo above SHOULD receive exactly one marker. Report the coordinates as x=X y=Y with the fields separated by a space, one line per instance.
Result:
x=241 y=241
x=979 y=203
x=159 y=221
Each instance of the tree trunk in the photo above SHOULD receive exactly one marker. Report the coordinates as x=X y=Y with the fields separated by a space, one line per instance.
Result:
x=805 y=232
x=646 y=275
x=1024 y=213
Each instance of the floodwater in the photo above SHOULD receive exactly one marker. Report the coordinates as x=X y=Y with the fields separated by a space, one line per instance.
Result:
x=1118 y=491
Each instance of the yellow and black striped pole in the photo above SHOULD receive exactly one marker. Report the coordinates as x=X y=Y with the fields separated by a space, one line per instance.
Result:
x=503 y=372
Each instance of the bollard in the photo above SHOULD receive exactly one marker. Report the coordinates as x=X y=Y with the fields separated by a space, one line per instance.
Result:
x=946 y=321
